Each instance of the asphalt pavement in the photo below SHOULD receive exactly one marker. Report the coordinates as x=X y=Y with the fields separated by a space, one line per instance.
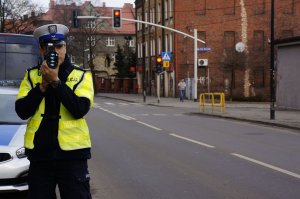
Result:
x=258 y=112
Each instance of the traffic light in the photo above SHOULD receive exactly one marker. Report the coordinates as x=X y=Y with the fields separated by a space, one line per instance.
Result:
x=117 y=18
x=75 y=20
x=158 y=64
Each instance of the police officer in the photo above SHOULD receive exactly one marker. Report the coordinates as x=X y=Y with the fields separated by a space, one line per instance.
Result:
x=57 y=141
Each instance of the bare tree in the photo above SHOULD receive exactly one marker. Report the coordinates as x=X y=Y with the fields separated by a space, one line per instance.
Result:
x=14 y=15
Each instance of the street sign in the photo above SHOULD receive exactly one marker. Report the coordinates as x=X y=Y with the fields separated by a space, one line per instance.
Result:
x=166 y=56
x=203 y=49
x=166 y=64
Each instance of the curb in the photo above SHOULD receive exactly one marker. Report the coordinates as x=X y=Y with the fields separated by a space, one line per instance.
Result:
x=248 y=120
x=215 y=115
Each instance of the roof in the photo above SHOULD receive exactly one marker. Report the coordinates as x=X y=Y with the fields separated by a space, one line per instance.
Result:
x=127 y=12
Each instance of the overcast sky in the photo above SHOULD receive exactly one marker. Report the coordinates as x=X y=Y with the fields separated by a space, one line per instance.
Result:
x=109 y=3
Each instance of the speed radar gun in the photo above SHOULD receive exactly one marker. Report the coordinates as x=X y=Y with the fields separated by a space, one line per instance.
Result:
x=51 y=56
x=51 y=36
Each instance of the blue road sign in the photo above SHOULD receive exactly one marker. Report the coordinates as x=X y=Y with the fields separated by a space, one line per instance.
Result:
x=203 y=49
x=166 y=56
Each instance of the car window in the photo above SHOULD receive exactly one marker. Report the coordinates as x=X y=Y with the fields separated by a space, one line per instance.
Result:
x=7 y=109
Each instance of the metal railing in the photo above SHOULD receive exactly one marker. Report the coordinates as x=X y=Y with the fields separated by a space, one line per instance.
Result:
x=213 y=100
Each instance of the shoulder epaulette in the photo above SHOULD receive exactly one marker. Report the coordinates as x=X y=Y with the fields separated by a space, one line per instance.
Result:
x=32 y=68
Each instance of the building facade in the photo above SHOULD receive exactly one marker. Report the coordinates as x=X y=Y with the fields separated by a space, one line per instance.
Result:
x=236 y=31
x=93 y=42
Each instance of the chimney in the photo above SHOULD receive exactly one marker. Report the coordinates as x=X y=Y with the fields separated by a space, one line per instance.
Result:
x=25 y=17
x=104 y=4
x=51 y=4
x=32 y=14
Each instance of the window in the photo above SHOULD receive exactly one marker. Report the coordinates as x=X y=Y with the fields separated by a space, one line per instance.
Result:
x=91 y=24
x=229 y=7
x=111 y=41
x=259 y=7
x=201 y=7
x=158 y=13
x=146 y=19
x=258 y=37
x=72 y=59
x=153 y=42
x=288 y=6
x=229 y=40
x=166 y=9
x=91 y=39
x=159 y=45
x=166 y=42
x=258 y=78
x=131 y=43
x=152 y=15
x=138 y=51
x=287 y=33
x=146 y=49
x=171 y=42
x=202 y=35
x=171 y=8
x=138 y=24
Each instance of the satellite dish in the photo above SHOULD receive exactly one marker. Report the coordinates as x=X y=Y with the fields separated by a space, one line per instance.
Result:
x=240 y=47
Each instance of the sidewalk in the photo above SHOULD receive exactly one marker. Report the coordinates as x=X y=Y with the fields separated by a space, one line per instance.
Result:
x=258 y=112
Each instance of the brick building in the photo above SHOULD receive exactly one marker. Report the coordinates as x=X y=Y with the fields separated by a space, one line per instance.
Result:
x=221 y=24
x=95 y=39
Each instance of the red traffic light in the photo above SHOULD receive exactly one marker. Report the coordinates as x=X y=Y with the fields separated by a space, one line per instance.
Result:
x=158 y=60
x=117 y=13
x=116 y=18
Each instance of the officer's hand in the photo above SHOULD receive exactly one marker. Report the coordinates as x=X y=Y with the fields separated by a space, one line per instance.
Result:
x=49 y=74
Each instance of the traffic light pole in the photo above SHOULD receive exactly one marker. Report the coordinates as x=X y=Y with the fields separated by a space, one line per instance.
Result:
x=195 y=38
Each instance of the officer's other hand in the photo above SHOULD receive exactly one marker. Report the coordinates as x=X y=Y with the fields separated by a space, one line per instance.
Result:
x=49 y=74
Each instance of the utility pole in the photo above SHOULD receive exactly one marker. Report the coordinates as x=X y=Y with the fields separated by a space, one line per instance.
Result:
x=272 y=68
x=144 y=54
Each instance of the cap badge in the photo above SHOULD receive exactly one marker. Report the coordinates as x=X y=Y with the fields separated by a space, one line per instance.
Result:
x=52 y=29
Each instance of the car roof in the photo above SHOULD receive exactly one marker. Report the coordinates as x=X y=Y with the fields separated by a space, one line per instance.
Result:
x=8 y=90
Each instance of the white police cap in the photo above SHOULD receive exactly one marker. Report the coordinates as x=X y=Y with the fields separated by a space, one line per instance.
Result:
x=50 y=33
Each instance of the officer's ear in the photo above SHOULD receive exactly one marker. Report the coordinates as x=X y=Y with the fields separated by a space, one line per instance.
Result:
x=42 y=48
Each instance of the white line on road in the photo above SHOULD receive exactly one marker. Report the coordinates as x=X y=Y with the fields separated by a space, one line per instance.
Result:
x=132 y=118
x=193 y=141
x=267 y=165
x=148 y=125
x=125 y=117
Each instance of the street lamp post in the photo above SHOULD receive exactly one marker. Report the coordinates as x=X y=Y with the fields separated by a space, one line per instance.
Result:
x=272 y=67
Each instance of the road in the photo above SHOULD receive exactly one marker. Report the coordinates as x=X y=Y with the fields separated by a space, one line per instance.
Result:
x=150 y=152
x=163 y=152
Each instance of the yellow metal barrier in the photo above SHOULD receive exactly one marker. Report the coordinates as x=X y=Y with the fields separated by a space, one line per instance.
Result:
x=212 y=99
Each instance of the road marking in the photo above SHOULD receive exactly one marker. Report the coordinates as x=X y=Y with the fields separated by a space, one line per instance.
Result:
x=125 y=117
x=148 y=125
x=109 y=103
x=267 y=165
x=123 y=104
x=132 y=118
x=193 y=141
x=159 y=114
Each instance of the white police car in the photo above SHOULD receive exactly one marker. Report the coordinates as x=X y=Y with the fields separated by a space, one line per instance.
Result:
x=13 y=163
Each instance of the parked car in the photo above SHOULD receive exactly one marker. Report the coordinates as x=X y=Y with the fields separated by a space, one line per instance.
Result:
x=13 y=162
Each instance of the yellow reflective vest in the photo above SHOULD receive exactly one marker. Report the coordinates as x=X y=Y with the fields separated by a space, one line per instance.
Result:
x=72 y=133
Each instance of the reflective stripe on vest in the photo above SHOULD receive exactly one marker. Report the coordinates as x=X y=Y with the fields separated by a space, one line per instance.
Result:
x=72 y=133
